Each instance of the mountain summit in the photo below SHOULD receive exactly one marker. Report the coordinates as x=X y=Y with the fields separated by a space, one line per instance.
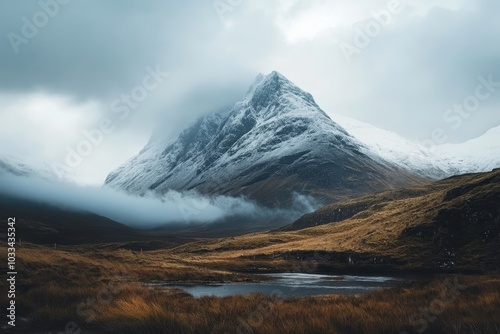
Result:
x=276 y=88
x=273 y=144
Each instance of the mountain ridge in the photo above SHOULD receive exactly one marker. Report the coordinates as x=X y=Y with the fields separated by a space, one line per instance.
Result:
x=452 y=225
x=272 y=143
x=480 y=154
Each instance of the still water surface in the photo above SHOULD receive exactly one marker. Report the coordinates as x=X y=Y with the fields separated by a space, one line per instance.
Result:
x=293 y=285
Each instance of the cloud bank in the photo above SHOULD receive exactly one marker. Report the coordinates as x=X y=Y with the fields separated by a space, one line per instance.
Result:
x=91 y=52
x=149 y=211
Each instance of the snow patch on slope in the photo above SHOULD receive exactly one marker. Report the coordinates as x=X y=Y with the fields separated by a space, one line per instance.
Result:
x=481 y=154
x=25 y=166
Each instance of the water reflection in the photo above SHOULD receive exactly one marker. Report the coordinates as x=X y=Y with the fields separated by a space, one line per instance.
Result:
x=293 y=285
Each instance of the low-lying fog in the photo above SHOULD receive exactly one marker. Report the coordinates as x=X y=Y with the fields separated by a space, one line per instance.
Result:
x=151 y=210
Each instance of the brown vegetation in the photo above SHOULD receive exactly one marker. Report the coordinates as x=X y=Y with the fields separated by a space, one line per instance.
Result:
x=459 y=304
x=450 y=226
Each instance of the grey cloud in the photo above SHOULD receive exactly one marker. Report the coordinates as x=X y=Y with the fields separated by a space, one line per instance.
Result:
x=93 y=48
x=418 y=71
x=148 y=211
x=97 y=50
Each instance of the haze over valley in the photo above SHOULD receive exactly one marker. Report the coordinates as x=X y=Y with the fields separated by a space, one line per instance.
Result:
x=250 y=166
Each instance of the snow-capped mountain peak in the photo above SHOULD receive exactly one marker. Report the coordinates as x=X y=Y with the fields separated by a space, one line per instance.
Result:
x=272 y=143
x=275 y=88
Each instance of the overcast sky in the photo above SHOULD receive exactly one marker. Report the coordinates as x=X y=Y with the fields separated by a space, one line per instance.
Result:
x=65 y=66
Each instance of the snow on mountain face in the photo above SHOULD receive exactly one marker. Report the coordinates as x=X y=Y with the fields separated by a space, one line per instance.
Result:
x=481 y=154
x=393 y=148
x=25 y=167
x=274 y=142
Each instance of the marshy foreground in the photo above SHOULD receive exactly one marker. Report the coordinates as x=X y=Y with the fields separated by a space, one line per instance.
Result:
x=102 y=289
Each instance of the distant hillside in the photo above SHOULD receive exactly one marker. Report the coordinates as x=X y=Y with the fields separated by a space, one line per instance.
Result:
x=451 y=225
x=45 y=224
x=478 y=155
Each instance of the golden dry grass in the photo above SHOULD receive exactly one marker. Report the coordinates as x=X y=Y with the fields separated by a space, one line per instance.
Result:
x=380 y=228
x=54 y=283
x=58 y=281
x=133 y=308
x=98 y=263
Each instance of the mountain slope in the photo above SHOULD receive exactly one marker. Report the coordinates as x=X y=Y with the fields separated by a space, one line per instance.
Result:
x=273 y=143
x=26 y=167
x=481 y=154
x=46 y=224
x=450 y=225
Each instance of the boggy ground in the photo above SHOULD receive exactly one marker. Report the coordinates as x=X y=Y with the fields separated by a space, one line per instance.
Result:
x=448 y=230
x=99 y=289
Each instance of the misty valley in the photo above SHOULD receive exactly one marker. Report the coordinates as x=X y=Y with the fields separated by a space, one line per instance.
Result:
x=250 y=167
x=253 y=218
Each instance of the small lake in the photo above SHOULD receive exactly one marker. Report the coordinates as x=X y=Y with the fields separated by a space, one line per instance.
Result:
x=292 y=285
